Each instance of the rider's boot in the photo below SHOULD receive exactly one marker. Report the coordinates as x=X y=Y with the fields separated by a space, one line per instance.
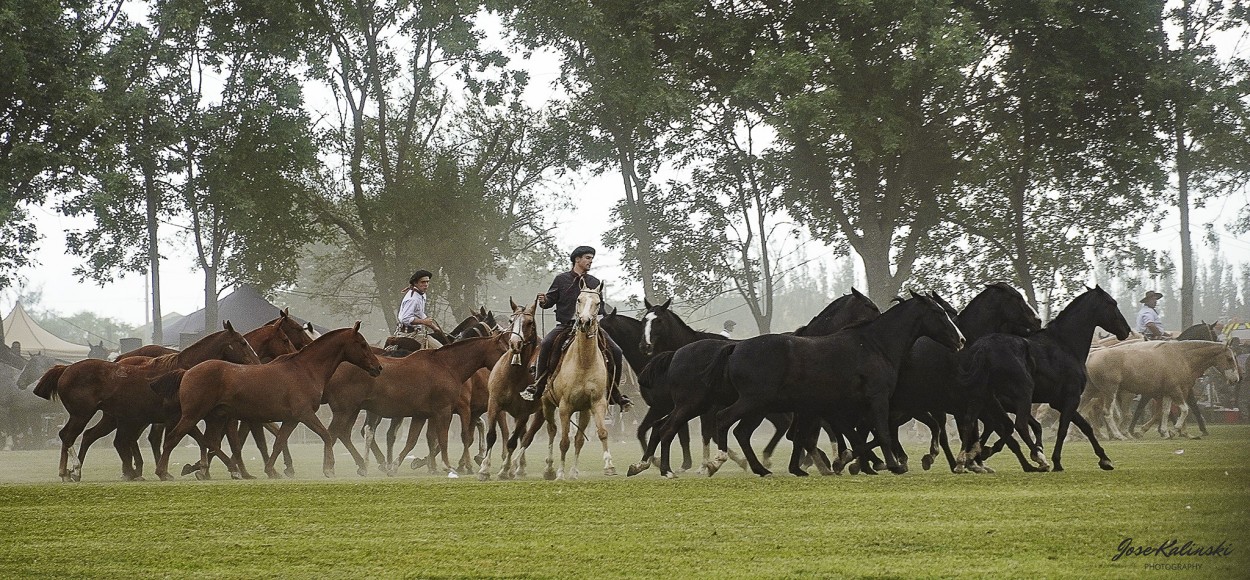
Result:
x=535 y=390
x=619 y=398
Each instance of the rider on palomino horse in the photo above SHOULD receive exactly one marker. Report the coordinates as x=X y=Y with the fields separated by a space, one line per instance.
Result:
x=1149 y=323
x=563 y=296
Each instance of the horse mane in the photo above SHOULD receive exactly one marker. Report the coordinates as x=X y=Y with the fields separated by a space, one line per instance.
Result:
x=1068 y=310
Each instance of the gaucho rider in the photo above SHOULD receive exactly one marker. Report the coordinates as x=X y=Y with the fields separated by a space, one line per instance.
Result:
x=563 y=296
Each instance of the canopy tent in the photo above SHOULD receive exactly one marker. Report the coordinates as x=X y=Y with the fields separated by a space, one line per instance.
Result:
x=245 y=308
x=20 y=327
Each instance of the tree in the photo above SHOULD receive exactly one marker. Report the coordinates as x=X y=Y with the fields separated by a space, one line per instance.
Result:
x=426 y=180
x=49 y=108
x=624 y=102
x=1207 y=118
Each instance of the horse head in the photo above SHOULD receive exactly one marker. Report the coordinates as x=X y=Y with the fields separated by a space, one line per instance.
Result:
x=655 y=322
x=846 y=310
x=356 y=351
x=522 y=331
x=98 y=351
x=298 y=335
x=1103 y=310
x=998 y=308
x=1227 y=364
x=38 y=364
x=936 y=322
x=586 y=315
x=270 y=342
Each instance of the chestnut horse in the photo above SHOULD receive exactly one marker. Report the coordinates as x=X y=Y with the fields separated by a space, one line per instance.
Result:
x=121 y=392
x=425 y=385
x=579 y=384
x=507 y=379
x=288 y=389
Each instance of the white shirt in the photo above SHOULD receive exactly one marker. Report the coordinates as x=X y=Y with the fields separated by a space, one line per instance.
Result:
x=412 y=307
x=1146 y=315
x=725 y=333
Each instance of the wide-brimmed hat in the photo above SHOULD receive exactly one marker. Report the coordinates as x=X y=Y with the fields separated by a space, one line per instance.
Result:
x=729 y=324
x=1151 y=294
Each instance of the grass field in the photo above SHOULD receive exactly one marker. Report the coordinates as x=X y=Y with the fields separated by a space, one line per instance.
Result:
x=921 y=524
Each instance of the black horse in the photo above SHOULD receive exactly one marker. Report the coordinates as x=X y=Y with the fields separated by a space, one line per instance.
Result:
x=1007 y=373
x=697 y=385
x=928 y=383
x=846 y=378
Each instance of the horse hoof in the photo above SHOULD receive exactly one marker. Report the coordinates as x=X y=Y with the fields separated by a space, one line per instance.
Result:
x=362 y=471
x=1105 y=465
x=686 y=465
x=899 y=469
x=478 y=459
x=988 y=469
x=670 y=475
x=959 y=469
x=763 y=473
x=327 y=472
x=188 y=468
x=549 y=475
x=418 y=462
x=799 y=473
x=853 y=468
x=609 y=471
x=1057 y=468
x=453 y=475
x=202 y=475
x=138 y=478
x=1205 y=433
x=711 y=467
x=637 y=468
x=926 y=462
x=290 y=472
x=483 y=477
x=236 y=475
x=248 y=476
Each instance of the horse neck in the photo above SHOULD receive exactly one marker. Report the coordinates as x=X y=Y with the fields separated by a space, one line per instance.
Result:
x=1072 y=331
x=1210 y=353
x=197 y=353
x=627 y=335
x=464 y=358
x=320 y=358
x=893 y=332
x=585 y=347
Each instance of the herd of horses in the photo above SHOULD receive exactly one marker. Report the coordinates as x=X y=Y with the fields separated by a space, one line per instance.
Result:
x=854 y=372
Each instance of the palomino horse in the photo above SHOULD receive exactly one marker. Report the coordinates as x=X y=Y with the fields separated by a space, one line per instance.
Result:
x=579 y=384
x=1155 y=369
x=121 y=392
x=507 y=379
x=288 y=389
x=427 y=384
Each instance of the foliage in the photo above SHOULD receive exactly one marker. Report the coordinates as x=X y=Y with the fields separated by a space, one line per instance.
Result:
x=922 y=524
x=49 y=108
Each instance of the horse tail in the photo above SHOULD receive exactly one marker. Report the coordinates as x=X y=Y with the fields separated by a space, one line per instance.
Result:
x=655 y=371
x=717 y=369
x=167 y=385
x=47 y=383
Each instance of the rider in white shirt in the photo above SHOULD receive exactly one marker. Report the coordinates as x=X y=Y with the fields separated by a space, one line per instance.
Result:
x=1149 y=323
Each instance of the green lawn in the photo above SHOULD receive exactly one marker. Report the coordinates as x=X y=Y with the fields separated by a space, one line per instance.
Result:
x=922 y=524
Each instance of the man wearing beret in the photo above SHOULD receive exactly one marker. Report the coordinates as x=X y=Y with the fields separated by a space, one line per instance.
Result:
x=1149 y=323
x=563 y=296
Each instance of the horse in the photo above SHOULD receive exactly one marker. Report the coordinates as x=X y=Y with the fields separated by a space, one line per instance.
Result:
x=845 y=378
x=299 y=335
x=697 y=389
x=579 y=383
x=1008 y=373
x=121 y=392
x=21 y=413
x=508 y=377
x=1155 y=369
x=287 y=389
x=928 y=383
x=268 y=342
x=1200 y=331
x=98 y=351
x=427 y=384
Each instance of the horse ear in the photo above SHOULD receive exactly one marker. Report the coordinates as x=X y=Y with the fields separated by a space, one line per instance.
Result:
x=357 y=327
x=667 y=303
x=286 y=312
x=512 y=303
x=613 y=313
x=646 y=302
x=913 y=293
x=228 y=326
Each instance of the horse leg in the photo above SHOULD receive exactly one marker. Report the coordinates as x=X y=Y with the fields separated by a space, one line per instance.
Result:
x=173 y=436
x=1104 y=462
x=649 y=423
x=601 y=429
x=1141 y=406
x=479 y=427
x=742 y=432
x=1180 y=419
x=1110 y=406
x=566 y=426
x=579 y=441
x=341 y=430
x=467 y=425
x=968 y=435
x=549 y=412
x=1197 y=411
x=539 y=419
x=280 y=442
x=392 y=434
x=313 y=422
x=125 y=441
x=492 y=410
x=69 y=433
x=779 y=432
x=414 y=431
x=106 y=425
x=1165 y=409
x=805 y=431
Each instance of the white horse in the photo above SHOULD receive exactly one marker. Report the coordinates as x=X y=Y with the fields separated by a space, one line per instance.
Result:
x=580 y=384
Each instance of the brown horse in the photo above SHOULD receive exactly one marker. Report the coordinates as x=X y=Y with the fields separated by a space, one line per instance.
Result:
x=579 y=384
x=288 y=389
x=508 y=378
x=121 y=392
x=425 y=385
x=1166 y=369
x=299 y=335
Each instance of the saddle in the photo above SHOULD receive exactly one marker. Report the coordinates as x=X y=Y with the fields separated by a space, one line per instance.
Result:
x=555 y=358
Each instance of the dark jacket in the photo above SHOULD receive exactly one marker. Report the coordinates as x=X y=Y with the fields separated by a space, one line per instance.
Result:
x=563 y=295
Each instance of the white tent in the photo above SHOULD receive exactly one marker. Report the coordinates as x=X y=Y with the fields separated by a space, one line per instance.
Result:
x=20 y=327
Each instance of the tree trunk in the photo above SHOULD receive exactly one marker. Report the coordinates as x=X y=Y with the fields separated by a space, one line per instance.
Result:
x=154 y=254
x=1182 y=203
x=883 y=285
x=211 y=313
x=636 y=203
